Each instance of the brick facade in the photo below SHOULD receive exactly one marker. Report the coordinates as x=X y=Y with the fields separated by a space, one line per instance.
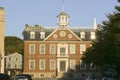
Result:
x=67 y=47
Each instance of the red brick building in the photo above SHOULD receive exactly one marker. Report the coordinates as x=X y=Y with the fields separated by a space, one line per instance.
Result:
x=51 y=52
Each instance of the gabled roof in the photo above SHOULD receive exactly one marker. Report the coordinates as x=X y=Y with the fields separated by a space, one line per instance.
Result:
x=69 y=36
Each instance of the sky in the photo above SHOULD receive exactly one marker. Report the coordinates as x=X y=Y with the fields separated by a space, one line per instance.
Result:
x=44 y=12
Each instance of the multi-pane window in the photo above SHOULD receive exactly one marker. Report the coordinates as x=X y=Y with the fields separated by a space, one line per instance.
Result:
x=82 y=35
x=52 y=64
x=72 y=64
x=42 y=64
x=92 y=35
x=31 y=64
x=82 y=65
x=32 y=35
x=42 y=48
x=52 y=48
x=32 y=48
x=82 y=48
x=72 y=48
x=62 y=50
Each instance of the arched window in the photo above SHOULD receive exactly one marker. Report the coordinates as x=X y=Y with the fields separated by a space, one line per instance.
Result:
x=63 y=19
x=82 y=35
x=42 y=35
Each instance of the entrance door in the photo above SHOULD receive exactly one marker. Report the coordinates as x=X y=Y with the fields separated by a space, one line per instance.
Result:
x=62 y=66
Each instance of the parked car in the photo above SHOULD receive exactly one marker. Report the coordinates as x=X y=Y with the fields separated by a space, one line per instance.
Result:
x=23 y=77
x=4 y=76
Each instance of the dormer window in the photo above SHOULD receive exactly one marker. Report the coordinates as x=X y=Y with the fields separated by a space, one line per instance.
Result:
x=32 y=35
x=92 y=35
x=82 y=35
x=42 y=35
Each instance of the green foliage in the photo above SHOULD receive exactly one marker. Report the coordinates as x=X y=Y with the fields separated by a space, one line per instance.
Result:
x=106 y=50
x=13 y=44
x=118 y=0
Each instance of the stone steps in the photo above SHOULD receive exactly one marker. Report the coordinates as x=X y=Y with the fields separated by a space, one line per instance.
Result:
x=62 y=75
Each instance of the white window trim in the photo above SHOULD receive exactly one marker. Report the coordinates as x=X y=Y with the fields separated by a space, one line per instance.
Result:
x=32 y=35
x=72 y=48
x=30 y=64
x=42 y=35
x=92 y=35
x=82 y=49
x=54 y=64
x=82 y=35
x=40 y=65
x=40 y=48
x=72 y=64
x=62 y=45
x=51 y=48
x=30 y=48
x=58 y=63
x=61 y=50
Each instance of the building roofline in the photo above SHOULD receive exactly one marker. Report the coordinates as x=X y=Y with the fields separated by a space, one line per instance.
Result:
x=1 y=8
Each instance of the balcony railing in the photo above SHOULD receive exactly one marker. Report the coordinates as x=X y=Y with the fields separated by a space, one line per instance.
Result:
x=62 y=55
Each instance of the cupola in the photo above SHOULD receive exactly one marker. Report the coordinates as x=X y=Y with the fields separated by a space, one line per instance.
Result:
x=63 y=20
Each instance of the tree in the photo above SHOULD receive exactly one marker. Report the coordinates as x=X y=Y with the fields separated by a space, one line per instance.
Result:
x=13 y=44
x=106 y=50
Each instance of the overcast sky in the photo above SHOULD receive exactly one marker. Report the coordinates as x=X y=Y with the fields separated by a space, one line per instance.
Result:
x=44 y=12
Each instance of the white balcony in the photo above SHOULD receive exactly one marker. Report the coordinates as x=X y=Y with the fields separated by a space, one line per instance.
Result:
x=62 y=55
